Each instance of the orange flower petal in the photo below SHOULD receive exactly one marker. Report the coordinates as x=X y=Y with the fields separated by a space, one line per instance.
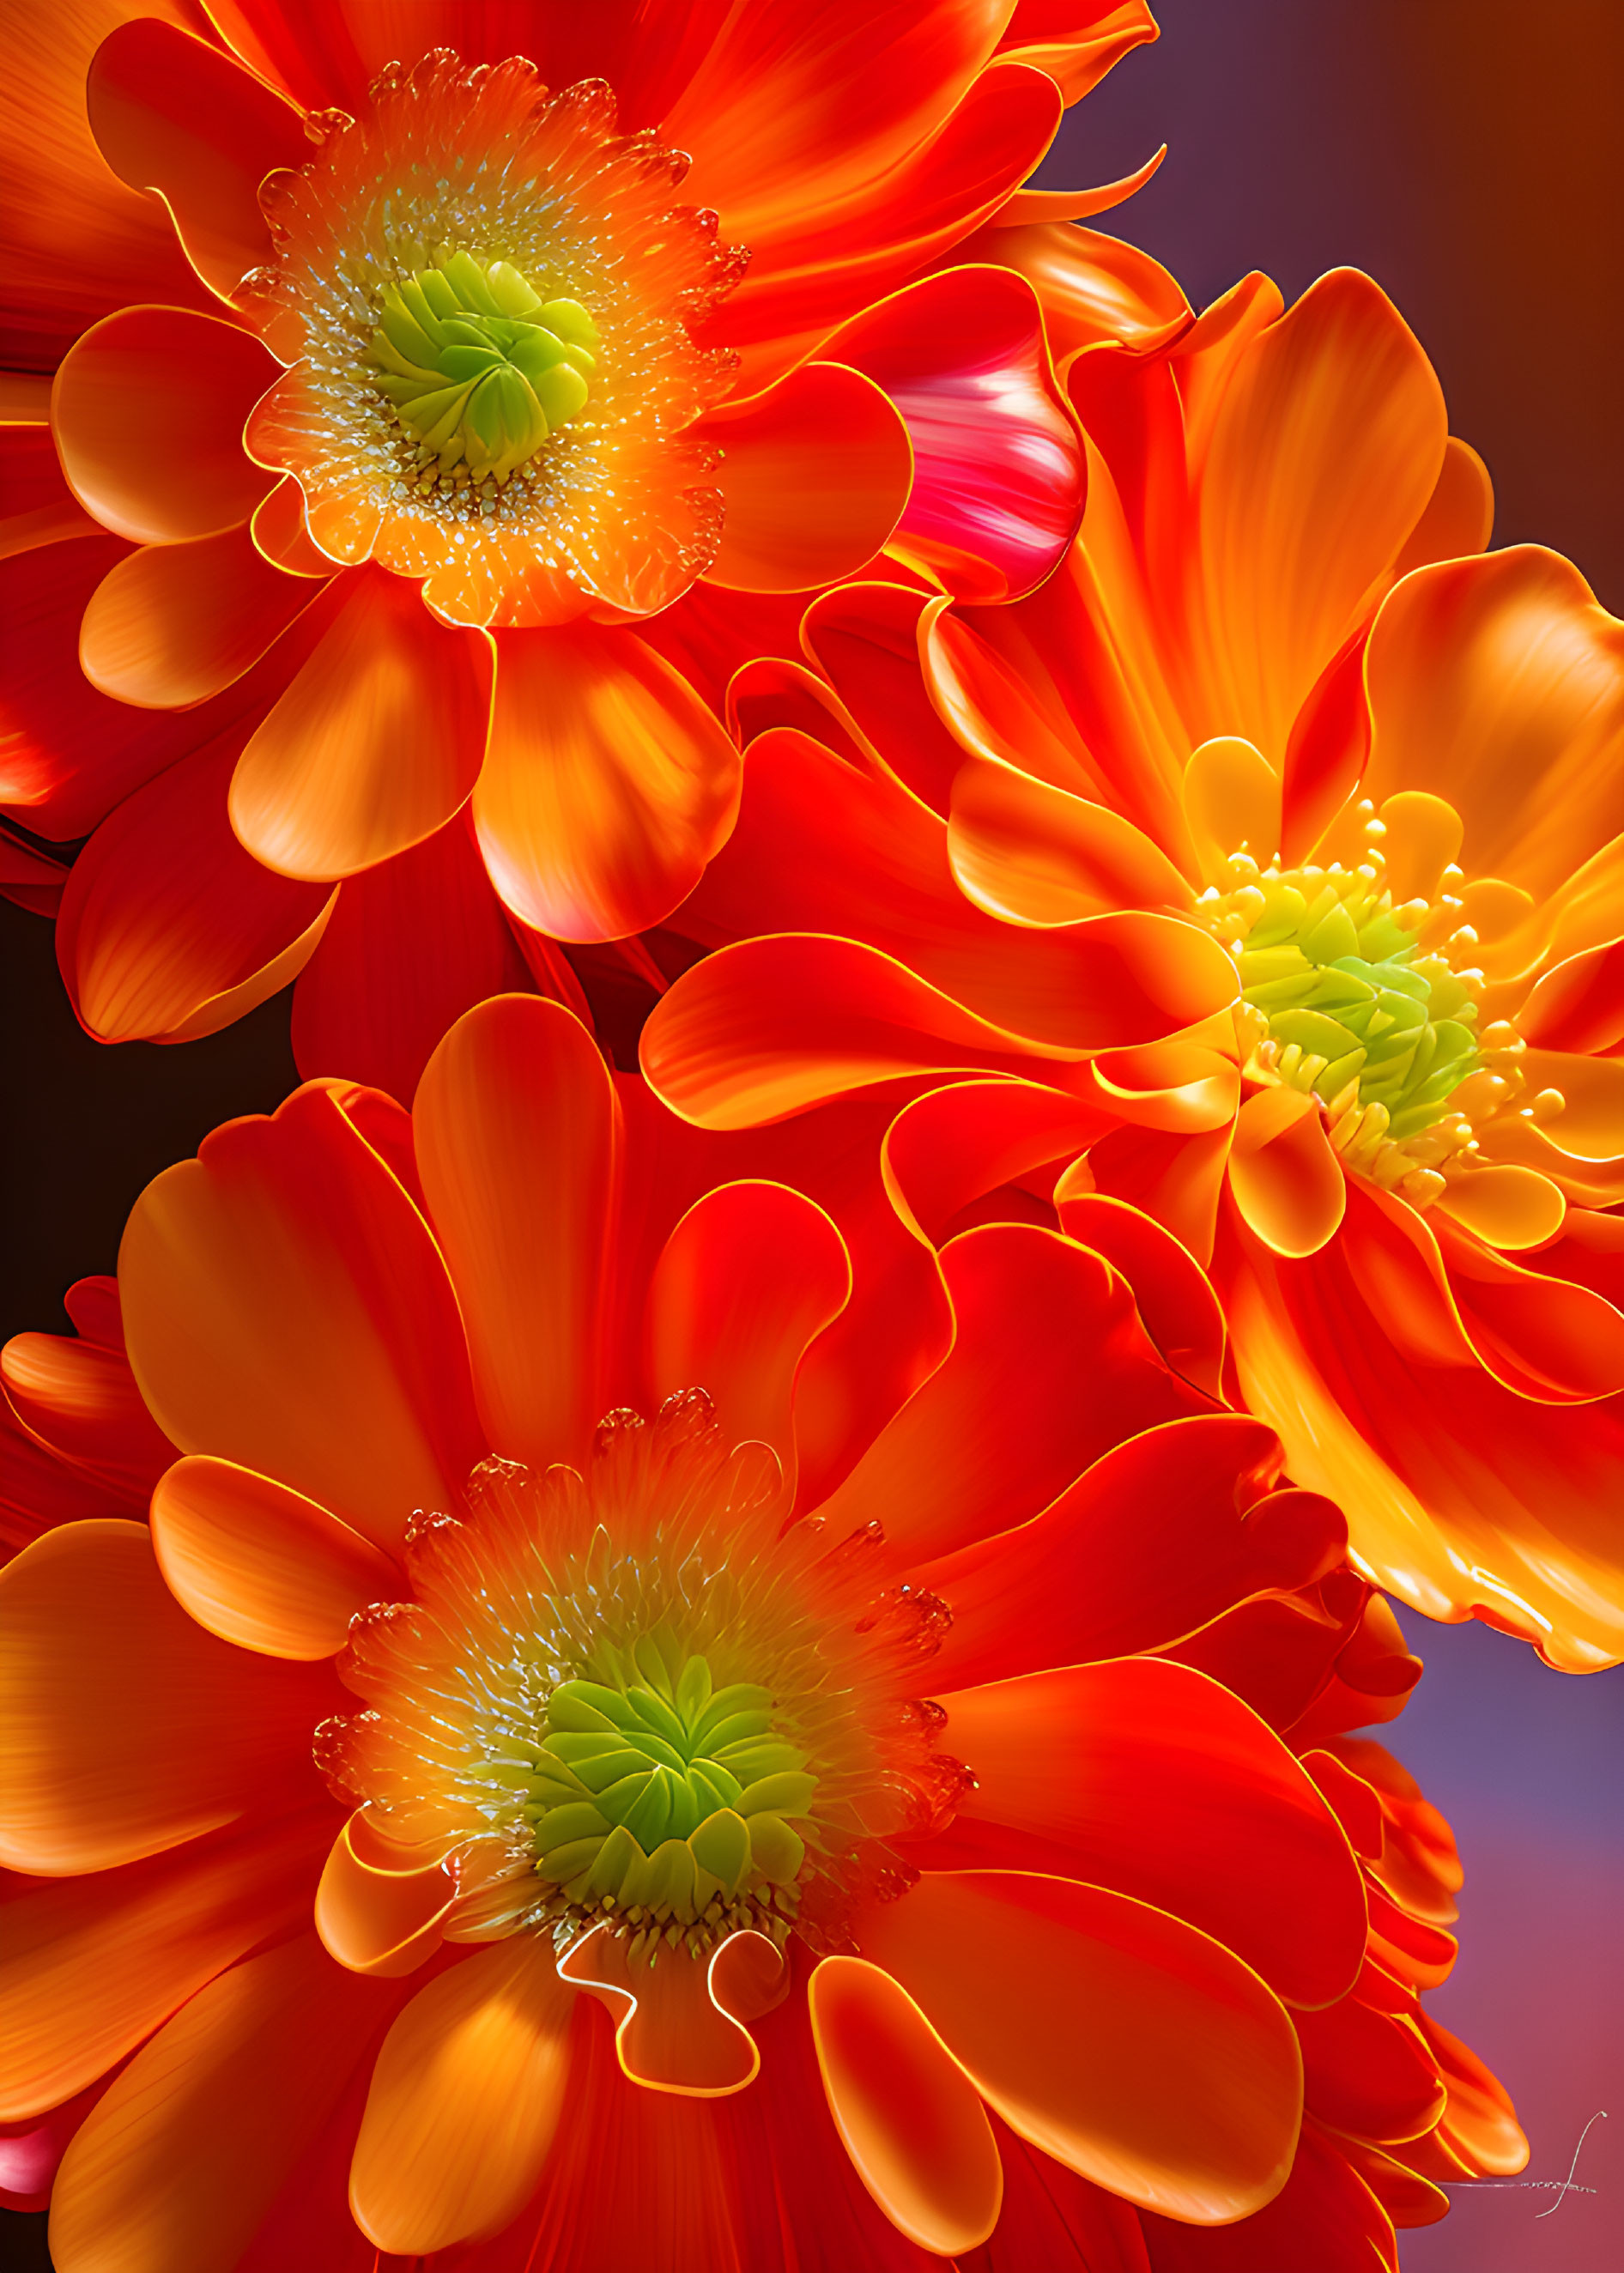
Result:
x=127 y=1728
x=176 y=623
x=413 y=944
x=1094 y=289
x=911 y=2119
x=1049 y=1369
x=377 y=742
x=287 y=1310
x=147 y=411
x=1120 y=2041
x=680 y=2024
x=1161 y=1535
x=260 y=1566
x=1031 y=854
x=183 y=2157
x=1369 y=2073
x=773 y=1025
x=466 y=2096
x=1498 y=683
x=999 y=480
x=954 y=1146
x=815 y=474
x=1460 y=512
x=1325 y=2216
x=1076 y=44
x=1325 y=450
x=169 y=930
x=80 y=1397
x=805 y=279
x=516 y=1132
x=172 y=114
x=94 y=1964
x=1287 y=1182
x=608 y=785
x=1049 y=206
x=1508 y=1206
x=381 y=1907
x=1231 y=799
x=1463 y=1496
x=80 y=242
x=750 y=1276
x=1157 y=1782
x=68 y=752
x=792 y=110
x=1172 y=1294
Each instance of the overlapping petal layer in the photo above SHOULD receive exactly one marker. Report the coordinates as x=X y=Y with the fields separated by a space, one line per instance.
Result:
x=1258 y=706
x=273 y=182
x=1110 y=1947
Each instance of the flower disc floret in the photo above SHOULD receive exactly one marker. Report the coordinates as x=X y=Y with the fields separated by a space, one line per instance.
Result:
x=479 y=368
x=484 y=292
x=625 y=1699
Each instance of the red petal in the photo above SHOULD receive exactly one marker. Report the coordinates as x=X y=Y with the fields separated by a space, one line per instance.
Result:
x=173 y=115
x=168 y=929
x=1150 y=1778
x=749 y=1278
x=1164 y=1534
x=815 y=474
x=413 y=944
x=1049 y=1369
x=1325 y=2216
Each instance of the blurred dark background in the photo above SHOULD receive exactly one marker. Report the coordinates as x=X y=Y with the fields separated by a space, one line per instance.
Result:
x=1467 y=152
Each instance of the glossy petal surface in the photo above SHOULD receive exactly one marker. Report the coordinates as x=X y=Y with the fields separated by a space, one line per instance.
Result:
x=911 y=2119
x=287 y=1310
x=464 y=2101
x=1190 y=2092
x=377 y=743
x=515 y=1134
x=608 y=785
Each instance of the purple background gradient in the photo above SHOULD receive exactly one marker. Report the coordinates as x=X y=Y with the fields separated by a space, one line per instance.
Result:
x=1467 y=153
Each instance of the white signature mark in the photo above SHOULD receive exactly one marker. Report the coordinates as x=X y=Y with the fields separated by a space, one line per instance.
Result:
x=1562 y=2188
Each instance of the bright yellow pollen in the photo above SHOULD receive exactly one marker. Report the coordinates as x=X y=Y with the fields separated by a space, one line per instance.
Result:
x=1371 y=1007
x=479 y=367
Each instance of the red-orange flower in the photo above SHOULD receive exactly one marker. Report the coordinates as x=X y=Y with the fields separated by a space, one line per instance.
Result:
x=1261 y=738
x=471 y=418
x=848 y=1814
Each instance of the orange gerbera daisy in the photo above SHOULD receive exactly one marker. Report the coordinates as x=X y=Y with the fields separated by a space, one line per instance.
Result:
x=1260 y=714
x=419 y=483
x=767 y=1819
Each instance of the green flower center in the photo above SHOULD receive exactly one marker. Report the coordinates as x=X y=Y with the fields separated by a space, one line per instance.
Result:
x=1358 y=1013
x=479 y=367
x=658 y=1796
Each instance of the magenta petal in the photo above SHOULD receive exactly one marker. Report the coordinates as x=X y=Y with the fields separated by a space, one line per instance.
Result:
x=998 y=478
